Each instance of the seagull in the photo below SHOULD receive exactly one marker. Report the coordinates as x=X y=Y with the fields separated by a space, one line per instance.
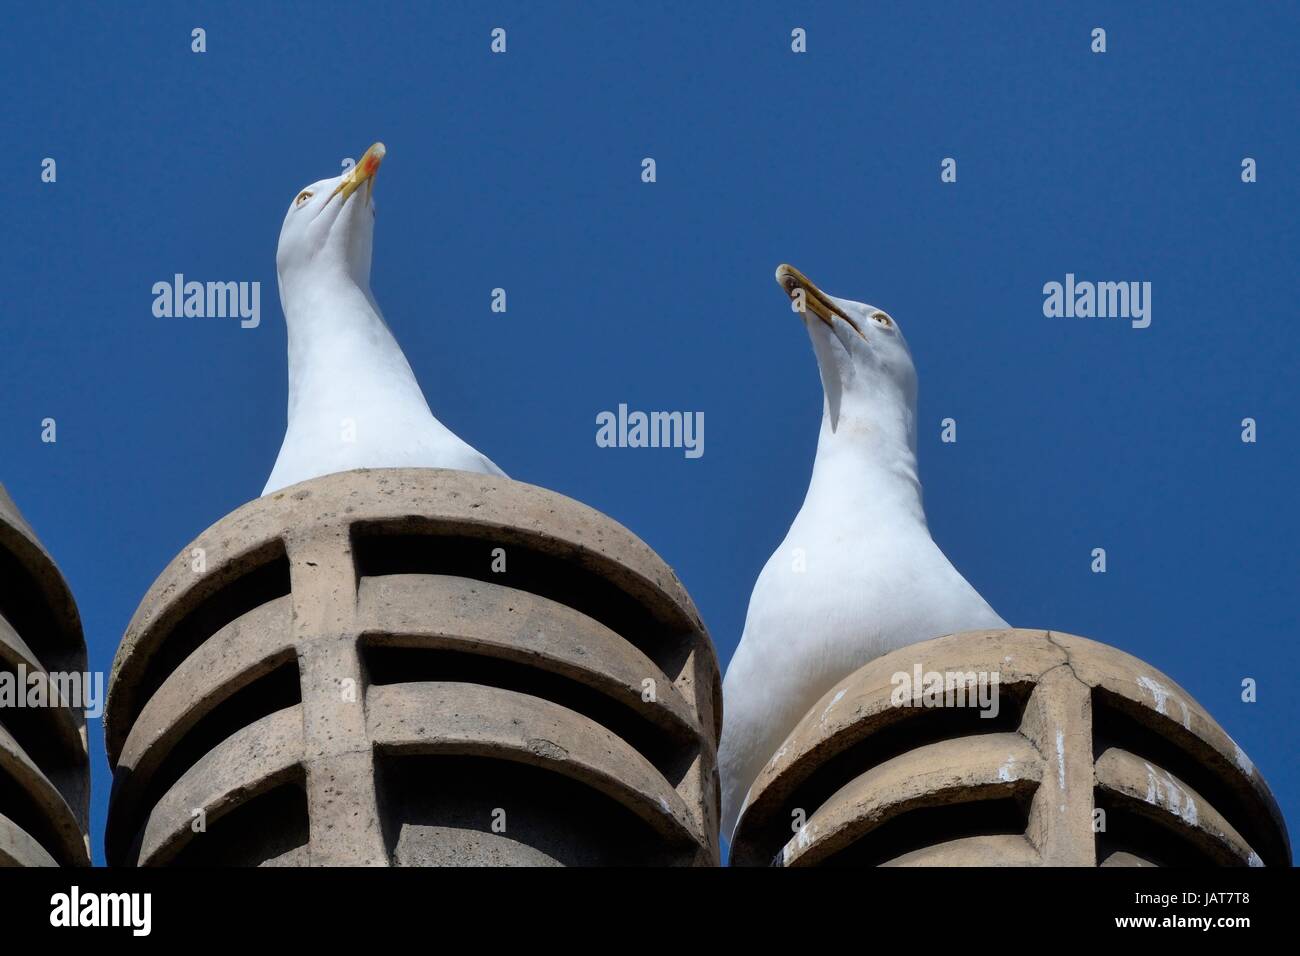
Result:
x=858 y=574
x=353 y=399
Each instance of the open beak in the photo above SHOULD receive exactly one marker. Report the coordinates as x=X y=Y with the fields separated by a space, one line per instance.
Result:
x=792 y=281
x=363 y=172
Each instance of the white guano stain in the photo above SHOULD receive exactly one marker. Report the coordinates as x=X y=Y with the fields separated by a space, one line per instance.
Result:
x=1243 y=762
x=805 y=836
x=1060 y=757
x=1004 y=772
x=1157 y=690
x=1162 y=695
x=1169 y=794
x=839 y=696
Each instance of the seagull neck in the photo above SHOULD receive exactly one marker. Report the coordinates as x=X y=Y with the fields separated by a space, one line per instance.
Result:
x=340 y=348
x=873 y=459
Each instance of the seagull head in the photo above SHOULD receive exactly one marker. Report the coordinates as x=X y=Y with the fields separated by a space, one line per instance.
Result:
x=328 y=230
x=866 y=366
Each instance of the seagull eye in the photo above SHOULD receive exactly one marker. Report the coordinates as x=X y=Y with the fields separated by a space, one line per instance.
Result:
x=882 y=320
x=303 y=197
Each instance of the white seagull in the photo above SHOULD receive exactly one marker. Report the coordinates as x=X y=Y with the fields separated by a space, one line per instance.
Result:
x=858 y=574
x=353 y=399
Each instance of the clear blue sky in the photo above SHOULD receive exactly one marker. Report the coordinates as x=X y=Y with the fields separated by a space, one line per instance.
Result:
x=523 y=171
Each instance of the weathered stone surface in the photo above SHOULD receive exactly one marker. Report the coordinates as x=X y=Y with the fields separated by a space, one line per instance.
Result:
x=1094 y=758
x=982 y=767
x=414 y=667
x=997 y=850
x=44 y=766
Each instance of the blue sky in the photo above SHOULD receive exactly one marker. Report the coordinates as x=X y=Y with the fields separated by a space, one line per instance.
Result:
x=522 y=171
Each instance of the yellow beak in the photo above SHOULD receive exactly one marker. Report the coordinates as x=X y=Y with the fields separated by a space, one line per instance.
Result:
x=363 y=172
x=806 y=295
